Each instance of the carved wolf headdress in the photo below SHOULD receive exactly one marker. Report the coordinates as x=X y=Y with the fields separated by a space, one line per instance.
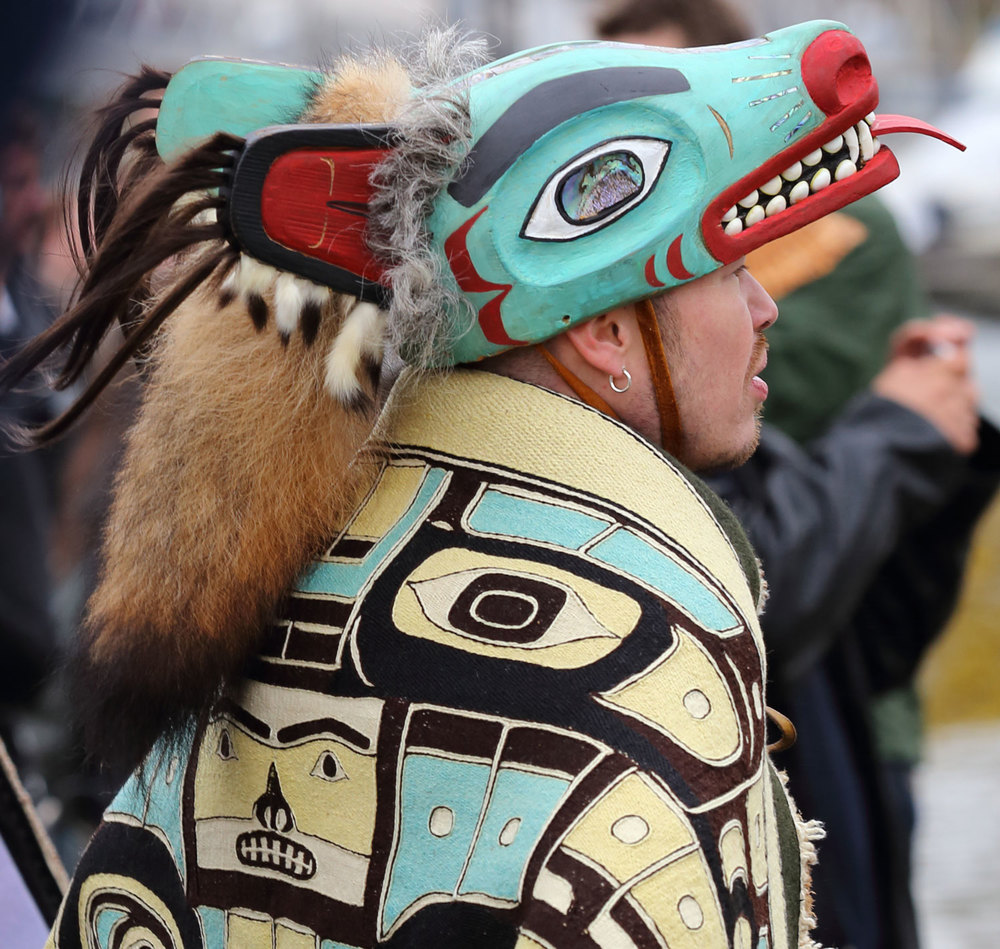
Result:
x=450 y=208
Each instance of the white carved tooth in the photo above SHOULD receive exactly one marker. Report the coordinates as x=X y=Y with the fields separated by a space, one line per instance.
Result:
x=865 y=141
x=844 y=170
x=813 y=158
x=851 y=137
x=834 y=145
x=820 y=180
x=755 y=215
x=772 y=187
x=798 y=192
x=729 y=215
x=870 y=118
x=734 y=227
x=793 y=173
x=750 y=200
x=776 y=205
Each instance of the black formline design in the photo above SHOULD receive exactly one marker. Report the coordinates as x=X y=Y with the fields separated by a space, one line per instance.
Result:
x=254 y=162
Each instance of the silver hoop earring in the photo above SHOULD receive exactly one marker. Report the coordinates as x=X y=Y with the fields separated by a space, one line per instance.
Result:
x=628 y=381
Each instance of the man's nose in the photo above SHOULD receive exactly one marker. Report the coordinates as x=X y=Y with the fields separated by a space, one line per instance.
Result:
x=763 y=308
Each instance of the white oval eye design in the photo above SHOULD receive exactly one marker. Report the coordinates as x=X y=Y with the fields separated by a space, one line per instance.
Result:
x=224 y=749
x=596 y=188
x=328 y=767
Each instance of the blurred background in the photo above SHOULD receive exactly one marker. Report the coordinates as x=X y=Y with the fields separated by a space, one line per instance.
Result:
x=937 y=59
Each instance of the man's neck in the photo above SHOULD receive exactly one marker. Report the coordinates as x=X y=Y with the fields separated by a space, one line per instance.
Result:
x=525 y=365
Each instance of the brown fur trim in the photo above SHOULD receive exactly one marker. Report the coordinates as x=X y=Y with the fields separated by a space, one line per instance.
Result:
x=371 y=90
x=235 y=475
x=134 y=343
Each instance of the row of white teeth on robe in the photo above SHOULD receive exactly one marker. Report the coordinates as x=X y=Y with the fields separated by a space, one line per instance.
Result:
x=838 y=159
x=358 y=344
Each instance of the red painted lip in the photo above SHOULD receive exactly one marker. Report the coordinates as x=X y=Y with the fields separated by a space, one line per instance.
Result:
x=879 y=171
x=876 y=172
x=837 y=73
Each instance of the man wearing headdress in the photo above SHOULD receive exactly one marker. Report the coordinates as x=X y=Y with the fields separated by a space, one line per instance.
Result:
x=480 y=665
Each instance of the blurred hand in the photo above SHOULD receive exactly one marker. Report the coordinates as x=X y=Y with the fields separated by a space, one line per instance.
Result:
x=929 y=373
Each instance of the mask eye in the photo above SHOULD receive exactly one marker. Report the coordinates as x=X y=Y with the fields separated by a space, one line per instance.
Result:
x=328 y=767
x=596 y=188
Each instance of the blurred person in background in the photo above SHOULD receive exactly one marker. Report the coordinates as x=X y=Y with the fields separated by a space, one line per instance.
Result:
x=30 y=32
x=27 y=480
x=52 y=504
x=872 y=471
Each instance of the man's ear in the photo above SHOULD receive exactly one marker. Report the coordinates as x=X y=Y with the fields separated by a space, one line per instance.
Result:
x=606 y=342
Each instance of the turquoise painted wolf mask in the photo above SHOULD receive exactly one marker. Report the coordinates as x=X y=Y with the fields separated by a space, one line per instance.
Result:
x=594 y=174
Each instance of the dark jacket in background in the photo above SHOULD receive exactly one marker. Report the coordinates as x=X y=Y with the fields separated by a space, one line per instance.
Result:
x=863 y=537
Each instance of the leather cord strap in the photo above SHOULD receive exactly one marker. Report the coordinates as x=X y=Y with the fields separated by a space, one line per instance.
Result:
x=656 y=357
x=583 y=392
x=659 y=370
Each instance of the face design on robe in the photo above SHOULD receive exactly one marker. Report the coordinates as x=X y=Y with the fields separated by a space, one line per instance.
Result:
x=282 y=791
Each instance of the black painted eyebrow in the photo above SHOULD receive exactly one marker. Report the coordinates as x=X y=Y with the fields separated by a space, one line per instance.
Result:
x=250 y=722
x=548 y=105
x=324 y=726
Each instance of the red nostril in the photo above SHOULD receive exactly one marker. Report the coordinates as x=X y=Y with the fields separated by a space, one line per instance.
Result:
x=837 y=72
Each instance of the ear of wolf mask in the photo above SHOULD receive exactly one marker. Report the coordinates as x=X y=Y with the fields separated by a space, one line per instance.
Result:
x=237 y=96
x=299 y=201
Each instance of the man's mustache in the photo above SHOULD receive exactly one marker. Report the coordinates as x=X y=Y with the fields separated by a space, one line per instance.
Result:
x=760 y=348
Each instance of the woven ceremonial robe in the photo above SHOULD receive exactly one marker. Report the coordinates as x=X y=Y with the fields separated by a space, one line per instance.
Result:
x=517 y=702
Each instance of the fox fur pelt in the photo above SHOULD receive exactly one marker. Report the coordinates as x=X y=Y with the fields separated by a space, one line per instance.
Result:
x=236 y=473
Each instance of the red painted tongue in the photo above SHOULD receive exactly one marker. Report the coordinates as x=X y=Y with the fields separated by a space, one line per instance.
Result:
x=886 y=124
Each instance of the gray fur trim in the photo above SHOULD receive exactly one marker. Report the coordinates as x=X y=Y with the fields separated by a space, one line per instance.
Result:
x=436 y=133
